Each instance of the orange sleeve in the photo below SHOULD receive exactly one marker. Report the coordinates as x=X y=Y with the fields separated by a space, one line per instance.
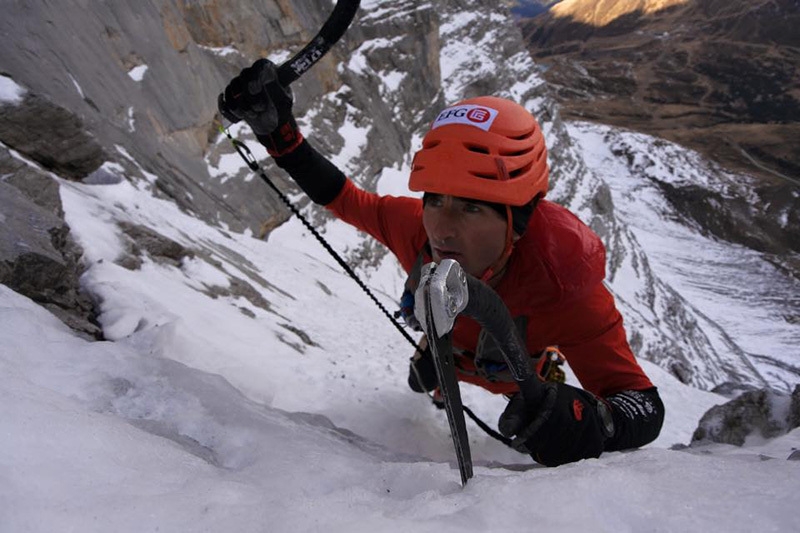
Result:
x=394 y=221
x=595 y=345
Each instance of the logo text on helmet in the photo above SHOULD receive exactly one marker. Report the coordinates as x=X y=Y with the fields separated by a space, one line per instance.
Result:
x=471 y=115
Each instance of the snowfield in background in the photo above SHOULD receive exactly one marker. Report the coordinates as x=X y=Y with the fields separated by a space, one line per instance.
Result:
x=736 y=290
x=212 y=414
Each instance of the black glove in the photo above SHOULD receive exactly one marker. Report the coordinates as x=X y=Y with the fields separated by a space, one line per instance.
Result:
x=567 y=425
x=422 y=371
x=257 y=97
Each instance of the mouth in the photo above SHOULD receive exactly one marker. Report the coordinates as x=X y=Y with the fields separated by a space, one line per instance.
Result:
x=439 y=254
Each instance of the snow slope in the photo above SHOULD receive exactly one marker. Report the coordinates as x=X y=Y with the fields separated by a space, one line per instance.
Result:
x=201 y=417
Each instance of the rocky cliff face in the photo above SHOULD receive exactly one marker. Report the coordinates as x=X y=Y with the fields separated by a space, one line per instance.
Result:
x=122 y=83
x=128 y=92
x=106 y=90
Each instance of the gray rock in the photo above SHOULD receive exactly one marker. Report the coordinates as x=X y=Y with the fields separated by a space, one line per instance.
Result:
x=38 y=187
x=70 y=57
x=50 y=135
x=161 y=249
x=239 y=288
x=39 y=260
x=764 y=413
x=731 y=389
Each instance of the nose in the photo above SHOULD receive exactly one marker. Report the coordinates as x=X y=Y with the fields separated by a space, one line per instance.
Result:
x=441 y=226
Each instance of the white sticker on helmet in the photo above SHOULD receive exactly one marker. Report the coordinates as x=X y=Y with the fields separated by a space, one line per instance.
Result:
x=471 y=115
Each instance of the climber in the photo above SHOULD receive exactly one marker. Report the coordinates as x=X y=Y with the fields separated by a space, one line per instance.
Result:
x=483 y=173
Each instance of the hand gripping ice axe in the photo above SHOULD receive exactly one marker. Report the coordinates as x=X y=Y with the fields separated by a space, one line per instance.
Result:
x=333 y=29
x=444 y=292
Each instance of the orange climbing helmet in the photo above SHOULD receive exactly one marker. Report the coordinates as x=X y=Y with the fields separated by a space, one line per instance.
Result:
x=483 y=148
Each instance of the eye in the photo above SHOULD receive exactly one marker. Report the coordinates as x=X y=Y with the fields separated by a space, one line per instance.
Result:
x=433 y=200
x=469 y=207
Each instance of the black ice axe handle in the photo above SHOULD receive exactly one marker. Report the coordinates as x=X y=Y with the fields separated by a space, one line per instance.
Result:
x=339 y=20
x=453 y=292
x=333 y=29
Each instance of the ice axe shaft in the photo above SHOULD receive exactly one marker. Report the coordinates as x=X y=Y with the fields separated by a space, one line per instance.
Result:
x=428 y=306
x=333 y=29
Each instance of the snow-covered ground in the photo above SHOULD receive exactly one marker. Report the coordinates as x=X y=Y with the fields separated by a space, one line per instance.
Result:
x=286 y=408
x=732 y=287
x=209 y=414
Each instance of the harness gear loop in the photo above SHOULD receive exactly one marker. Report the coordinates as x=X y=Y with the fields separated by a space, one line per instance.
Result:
x=548 y=366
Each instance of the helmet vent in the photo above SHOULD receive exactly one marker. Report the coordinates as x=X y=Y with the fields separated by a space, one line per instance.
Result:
x=477 y=148
x=526 y=135
x=431 y=144
x=516 y=153
x=484 y=175
x=520 y=171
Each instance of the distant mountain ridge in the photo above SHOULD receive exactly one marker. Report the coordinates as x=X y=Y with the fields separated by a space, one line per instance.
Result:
x=529 y=8
x=721 y=77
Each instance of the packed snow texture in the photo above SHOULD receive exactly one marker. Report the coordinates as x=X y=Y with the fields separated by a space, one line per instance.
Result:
x=291 y=413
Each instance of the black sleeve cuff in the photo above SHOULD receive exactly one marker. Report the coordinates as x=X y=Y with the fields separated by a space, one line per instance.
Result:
x=638 y=417
x=320 y=179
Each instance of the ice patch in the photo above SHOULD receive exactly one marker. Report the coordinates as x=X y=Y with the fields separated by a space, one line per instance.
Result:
x=222 y=51
x=137 y=73
x=392 y=80
x=10 y=91
x=77 y=86
x=131 y=121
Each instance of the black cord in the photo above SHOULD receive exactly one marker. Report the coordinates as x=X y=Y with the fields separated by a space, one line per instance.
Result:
x=244 y=151
x=489 y=431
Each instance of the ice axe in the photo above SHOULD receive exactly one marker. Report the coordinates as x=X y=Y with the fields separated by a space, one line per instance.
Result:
x=339 y=20
x=444 y=292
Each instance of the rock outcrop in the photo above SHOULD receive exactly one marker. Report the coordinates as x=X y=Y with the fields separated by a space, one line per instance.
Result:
x=38 y=258
x=757 y=414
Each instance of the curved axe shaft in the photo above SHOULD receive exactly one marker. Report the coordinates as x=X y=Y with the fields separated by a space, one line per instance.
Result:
x=333 y=29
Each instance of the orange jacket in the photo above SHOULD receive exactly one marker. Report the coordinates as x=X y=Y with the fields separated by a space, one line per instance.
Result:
x=554 y=277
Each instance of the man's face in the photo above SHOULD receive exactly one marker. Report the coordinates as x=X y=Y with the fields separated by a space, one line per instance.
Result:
x=472 y=233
